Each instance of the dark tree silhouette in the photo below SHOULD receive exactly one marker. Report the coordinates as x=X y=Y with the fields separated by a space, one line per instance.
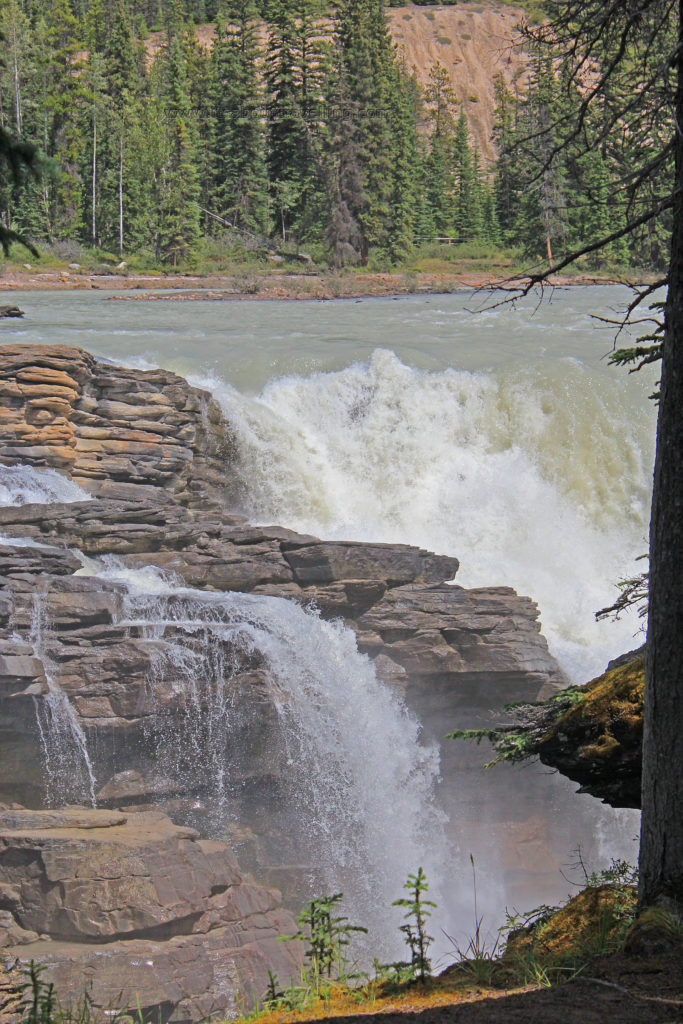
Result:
x=19 y=159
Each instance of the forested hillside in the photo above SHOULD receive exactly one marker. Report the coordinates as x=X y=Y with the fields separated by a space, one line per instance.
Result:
x=356 y=132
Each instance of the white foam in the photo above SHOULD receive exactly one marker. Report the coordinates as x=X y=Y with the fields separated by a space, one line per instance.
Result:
x=360 y=805
x=533 y=477
x=24 y=485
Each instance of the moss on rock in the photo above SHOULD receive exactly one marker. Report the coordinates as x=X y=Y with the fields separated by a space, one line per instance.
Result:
x=592 y=923
x=592 y=734
x=598 y=740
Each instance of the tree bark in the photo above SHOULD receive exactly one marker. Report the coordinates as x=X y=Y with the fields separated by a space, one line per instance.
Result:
x=661 y=840
x=17 y=88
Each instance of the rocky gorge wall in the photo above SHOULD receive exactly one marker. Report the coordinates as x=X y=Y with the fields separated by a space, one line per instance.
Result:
x=91 y=701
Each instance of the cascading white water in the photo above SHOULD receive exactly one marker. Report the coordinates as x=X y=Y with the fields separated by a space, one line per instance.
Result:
x=358 y=781
x=69 y=776
x=536 y=477
x=23 y=484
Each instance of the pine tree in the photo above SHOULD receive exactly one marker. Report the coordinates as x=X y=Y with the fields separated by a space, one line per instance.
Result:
x=295 y=76
x=380 y=100
x=237 y=146
x=344 y=176
x=178 y=224
x=402 y=217
x=540 y=221
x=63 y=102
x=464 y=213
x=439 y=177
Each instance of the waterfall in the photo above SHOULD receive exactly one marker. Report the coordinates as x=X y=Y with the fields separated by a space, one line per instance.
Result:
x=535 y=477
x=69 y=775
x=355 y=784
x=23 y=484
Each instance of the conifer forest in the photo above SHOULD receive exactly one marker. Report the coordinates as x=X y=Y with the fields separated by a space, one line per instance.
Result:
x=298 y=127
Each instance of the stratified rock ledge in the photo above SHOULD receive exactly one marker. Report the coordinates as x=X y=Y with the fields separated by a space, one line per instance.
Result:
x=137 y=912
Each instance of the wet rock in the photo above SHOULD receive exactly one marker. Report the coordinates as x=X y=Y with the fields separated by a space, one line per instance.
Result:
x=154 y=454
x=139 y=911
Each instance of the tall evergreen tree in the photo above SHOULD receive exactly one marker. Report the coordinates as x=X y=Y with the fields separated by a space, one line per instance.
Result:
x=63 y=102
x=178 y=230
x=344 y=176
x=295 y=74
x=239 y=189
x=379 y=98
x=439 y=178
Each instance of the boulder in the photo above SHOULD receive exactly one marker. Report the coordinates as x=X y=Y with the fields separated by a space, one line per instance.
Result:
x=137 y=912
x=592 y=734
x=598 y=740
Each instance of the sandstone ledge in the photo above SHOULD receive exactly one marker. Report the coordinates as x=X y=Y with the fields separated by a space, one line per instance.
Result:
x=137 y=912
x=98 y=423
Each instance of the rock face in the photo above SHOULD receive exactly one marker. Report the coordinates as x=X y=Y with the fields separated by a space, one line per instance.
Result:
x=137 y=911
x=99 y=423
x=443 y=647
x=91 y=691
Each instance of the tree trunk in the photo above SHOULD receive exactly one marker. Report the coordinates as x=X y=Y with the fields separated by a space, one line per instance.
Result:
x=94 y=179
x=17 y=89
x=121 y=194
x=661 y=839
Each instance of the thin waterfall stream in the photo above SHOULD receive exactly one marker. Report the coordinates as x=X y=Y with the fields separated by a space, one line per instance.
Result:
x=69 y=772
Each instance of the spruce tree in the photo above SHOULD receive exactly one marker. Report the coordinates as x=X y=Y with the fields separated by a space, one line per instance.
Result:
x=344 y=176
x=64 y=97
x=385 y=131
x=464 y=213
x=439 y=178
x=178 y=229
x=295 y=75
x=237 y=146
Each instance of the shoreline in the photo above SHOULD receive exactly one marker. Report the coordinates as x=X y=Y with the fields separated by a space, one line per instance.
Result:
x=283 y=287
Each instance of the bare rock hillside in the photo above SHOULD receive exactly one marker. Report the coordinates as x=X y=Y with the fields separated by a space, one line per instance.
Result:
x=473 y=41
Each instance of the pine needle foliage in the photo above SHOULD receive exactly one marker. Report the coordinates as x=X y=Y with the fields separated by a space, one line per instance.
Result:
x=415 y=928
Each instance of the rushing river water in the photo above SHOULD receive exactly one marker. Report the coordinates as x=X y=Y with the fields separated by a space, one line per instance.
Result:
x=500 y=436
